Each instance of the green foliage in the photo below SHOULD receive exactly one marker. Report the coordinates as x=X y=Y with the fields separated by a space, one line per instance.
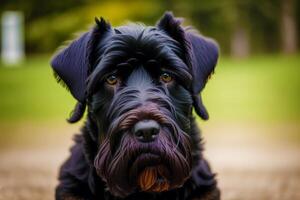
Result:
x=47 y=33
x=218 y=20
x=49 y=23
x=257 y=89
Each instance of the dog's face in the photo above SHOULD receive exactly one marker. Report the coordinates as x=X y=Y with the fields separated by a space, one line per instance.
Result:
x=145 y=112
x=140 y=85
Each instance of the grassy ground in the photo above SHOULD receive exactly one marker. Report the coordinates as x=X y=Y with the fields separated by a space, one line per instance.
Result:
x=258 y=89
x=29 y=92
x=252 y=138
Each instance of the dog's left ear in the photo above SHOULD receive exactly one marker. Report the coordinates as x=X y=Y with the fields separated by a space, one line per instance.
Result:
x=200 y=52
x=72 y=64
x=204 y=57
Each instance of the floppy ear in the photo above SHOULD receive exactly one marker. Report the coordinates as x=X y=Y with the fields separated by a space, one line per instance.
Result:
x=204 y=57
x=72 y=65
x=200 y=53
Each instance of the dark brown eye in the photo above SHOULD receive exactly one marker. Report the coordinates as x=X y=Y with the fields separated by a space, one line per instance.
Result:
x=166 y=77
x=112 y=80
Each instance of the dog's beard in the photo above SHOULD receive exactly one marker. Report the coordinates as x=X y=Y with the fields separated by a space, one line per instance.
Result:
x=151 y=167
x=153 y=179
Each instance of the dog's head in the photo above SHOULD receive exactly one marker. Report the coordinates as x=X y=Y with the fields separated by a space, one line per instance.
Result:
x=140 y=85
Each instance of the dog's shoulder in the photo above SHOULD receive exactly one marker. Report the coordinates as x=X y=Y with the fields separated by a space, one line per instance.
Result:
x=76 y=162
x=75 y=174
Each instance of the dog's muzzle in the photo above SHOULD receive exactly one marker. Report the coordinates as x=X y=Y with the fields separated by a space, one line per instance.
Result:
x=146 y=151
x=152 y=178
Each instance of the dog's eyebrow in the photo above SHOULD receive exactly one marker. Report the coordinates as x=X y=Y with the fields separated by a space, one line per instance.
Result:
x=129 y=63
x=132 y=61
x=151 y=63
x=123 y=65
x=172 y=62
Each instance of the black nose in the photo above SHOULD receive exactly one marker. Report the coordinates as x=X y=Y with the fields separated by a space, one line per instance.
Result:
x=146 y=130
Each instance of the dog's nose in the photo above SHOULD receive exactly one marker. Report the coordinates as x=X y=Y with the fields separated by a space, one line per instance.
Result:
x=146 y=130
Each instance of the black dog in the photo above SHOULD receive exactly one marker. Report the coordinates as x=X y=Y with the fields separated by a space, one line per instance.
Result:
x=140 y=85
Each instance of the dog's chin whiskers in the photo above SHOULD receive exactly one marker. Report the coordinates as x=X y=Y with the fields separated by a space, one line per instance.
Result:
x=120 y=169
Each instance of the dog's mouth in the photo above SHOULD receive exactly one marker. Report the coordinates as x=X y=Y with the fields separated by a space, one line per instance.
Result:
x=152 y=179
x=150 y=173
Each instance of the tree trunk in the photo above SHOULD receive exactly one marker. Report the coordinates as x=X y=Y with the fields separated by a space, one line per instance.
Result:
x=240 y=47
x=288 y=27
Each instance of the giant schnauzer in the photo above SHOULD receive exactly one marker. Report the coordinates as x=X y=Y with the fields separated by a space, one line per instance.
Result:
x=140 y=139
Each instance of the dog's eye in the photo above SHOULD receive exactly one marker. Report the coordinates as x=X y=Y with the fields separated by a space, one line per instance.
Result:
x=166 y=77
x=112 y=80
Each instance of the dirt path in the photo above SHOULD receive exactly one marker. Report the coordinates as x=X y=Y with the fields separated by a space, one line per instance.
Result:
x=251 y=163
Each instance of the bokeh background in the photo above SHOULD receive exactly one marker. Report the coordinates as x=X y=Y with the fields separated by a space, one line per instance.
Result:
x=253 y=136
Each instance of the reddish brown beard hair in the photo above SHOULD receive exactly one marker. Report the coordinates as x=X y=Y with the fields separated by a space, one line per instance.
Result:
x=152 y=180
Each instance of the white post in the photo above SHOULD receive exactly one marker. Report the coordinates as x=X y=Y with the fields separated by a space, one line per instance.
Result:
x=12 y=51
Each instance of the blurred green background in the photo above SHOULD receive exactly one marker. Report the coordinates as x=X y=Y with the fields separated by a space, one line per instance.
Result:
x=261 y=25
x=257 y=77
x=253 y=135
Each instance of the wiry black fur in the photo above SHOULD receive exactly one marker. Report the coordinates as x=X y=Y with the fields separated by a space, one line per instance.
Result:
x=106 y=158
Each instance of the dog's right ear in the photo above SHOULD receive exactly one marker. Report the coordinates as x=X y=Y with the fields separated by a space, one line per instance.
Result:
x=73 y=64
x=201 y=52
